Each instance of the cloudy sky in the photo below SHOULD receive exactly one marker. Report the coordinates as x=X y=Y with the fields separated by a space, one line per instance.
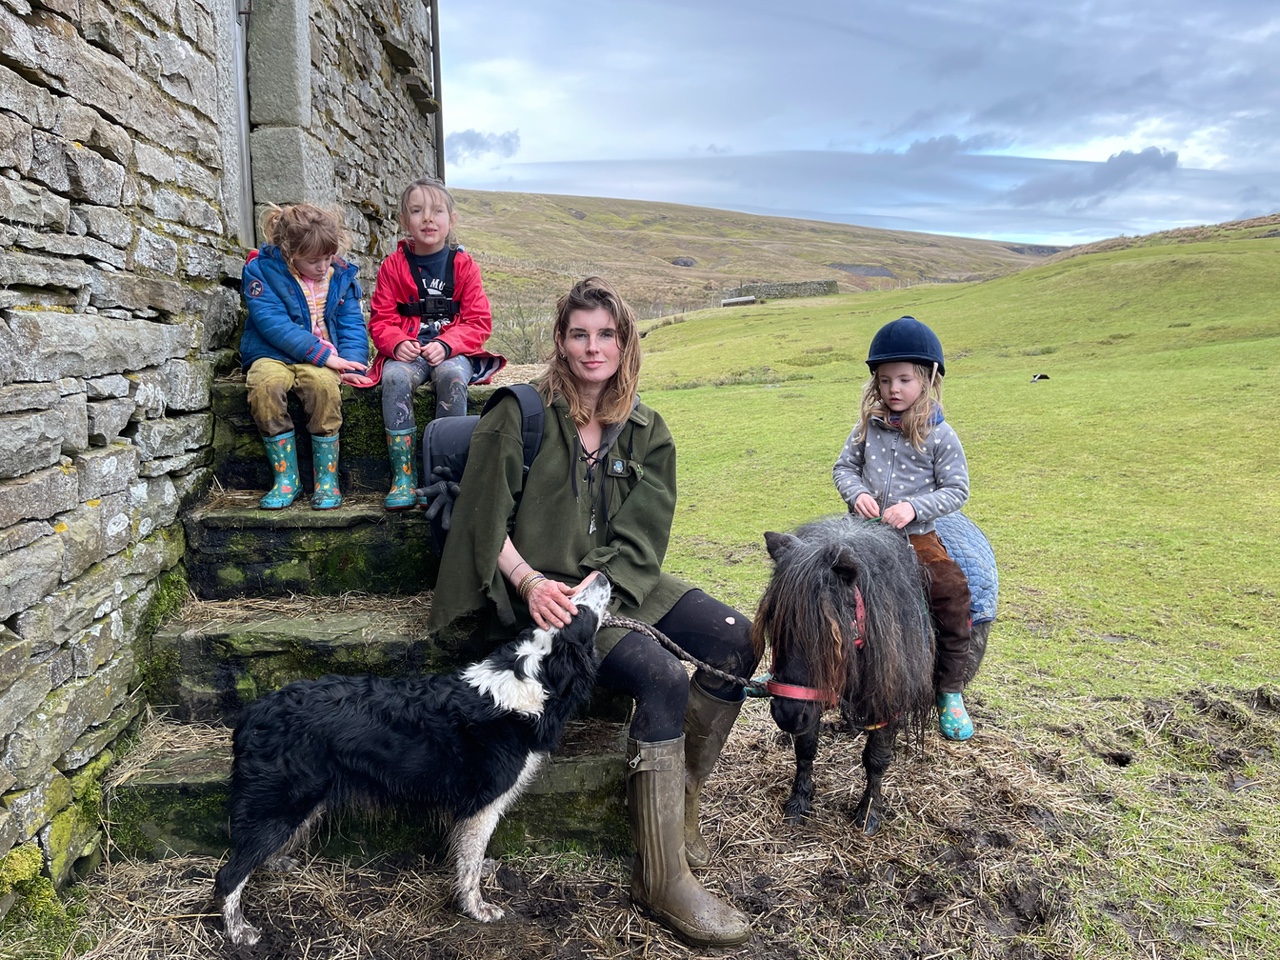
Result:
x=1058 y=121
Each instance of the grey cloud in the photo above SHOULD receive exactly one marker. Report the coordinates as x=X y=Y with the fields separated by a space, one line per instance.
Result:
x=1096 y=182
x=472 y=145
x=942 y=148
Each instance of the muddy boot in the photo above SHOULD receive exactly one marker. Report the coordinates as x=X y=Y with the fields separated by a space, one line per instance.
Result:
x=404 y=470
x=324 y=462
x=707 y=723
x=282 y=454
x=661 y=884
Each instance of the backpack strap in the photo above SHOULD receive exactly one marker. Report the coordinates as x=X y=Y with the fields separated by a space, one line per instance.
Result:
x=433 y=310
x=532 y=416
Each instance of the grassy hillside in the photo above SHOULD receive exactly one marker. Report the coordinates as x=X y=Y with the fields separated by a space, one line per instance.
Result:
x=1131 y=500
x=668 y=258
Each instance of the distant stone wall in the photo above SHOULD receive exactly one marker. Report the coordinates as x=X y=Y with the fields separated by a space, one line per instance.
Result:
x=779 y=291
x=124 y=214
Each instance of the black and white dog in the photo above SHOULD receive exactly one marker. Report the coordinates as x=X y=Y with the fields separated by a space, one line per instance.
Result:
x=466 y=745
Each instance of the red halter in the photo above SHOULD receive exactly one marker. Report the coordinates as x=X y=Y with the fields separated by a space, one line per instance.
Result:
x=791 y=691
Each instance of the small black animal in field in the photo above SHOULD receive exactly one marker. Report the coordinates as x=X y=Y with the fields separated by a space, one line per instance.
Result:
x=845 y=616
x=465 y=744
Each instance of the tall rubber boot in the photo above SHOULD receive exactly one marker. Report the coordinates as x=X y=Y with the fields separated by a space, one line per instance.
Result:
x=282 y=454
x=324 y=461
x=404 y=470
x=661 y=883
x=707 y=723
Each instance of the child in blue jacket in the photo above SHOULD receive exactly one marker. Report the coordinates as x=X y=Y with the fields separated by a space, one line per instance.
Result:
x=305 y=332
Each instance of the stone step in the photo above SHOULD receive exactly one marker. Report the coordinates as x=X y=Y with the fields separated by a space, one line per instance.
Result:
x=240 y=462
x=237 y=549
x=174 y=802
x=219 y=656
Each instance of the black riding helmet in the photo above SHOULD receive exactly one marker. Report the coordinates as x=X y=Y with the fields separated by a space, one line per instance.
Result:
x=906 y=339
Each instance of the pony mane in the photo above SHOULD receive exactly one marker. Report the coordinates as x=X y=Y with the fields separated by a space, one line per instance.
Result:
x=809 y=613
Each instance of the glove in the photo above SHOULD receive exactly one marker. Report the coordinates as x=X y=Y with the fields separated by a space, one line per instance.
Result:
x=439 y=496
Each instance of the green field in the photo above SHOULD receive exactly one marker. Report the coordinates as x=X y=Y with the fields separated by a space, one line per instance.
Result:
x=1132 y=502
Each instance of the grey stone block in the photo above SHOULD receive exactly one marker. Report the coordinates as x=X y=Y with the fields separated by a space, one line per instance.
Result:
x=107 y=418
x=27 y=396
x=171 y=436
x=51 y=345
x=154 y=252
x=75 y=423
x=290 y=166
x=39 y=495
x=112 y=385
x=22 y=203
x=107 y=224
x=21 y=534
x=23 y=695
x=107 y=470
x=30 y=441
x=280 y=65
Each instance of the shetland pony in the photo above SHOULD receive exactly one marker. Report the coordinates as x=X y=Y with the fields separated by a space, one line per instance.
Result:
x=465 y=745
x=846 y=618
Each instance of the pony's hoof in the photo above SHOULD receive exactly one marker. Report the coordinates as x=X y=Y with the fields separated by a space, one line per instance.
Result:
x=796 y=811
x=868 y=819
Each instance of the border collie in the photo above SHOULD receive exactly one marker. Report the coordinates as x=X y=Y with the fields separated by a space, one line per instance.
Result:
x=465 y=744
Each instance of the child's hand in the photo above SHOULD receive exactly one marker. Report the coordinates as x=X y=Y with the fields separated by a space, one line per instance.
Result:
x=408 y=350
x=336 y=362
x=866 y=507
x=899 y=515
x=435 y=353
x=356 y=380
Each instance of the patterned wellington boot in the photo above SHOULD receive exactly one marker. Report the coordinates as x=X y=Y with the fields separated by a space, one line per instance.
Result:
x=282 y=454
x=404 y=470
x=953 y=718
x=324 y=461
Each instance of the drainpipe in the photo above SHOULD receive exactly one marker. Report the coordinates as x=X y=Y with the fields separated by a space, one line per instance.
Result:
x=435 y=81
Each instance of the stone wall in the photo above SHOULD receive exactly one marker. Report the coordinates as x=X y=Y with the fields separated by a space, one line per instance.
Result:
x=123 y=212
x=778 y=291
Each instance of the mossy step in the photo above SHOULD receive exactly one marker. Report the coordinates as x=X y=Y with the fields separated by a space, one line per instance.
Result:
x=175 y=804
x=240 y=462
x=222 y=655
x=237 y=549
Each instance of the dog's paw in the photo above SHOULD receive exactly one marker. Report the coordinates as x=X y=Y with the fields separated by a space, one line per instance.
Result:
x=282 y=864
x=488 y=867
x=477 y=908
x=243 y=934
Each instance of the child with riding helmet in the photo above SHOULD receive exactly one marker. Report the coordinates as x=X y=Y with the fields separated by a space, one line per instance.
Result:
x=429 y=319
x=904 y=464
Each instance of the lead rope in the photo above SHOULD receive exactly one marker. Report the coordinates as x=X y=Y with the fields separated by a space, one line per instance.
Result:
x=751 y=687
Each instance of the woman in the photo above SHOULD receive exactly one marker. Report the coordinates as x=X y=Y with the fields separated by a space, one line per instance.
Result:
x=599 y=501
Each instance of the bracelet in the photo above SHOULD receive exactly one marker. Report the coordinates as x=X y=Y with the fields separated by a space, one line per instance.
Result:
x=512 y=575
x=526 y=586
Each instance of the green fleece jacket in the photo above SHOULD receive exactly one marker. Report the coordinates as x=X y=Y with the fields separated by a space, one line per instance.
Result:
x=614 y=517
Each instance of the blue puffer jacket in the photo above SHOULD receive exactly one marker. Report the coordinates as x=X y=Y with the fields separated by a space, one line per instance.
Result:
x=279 y=324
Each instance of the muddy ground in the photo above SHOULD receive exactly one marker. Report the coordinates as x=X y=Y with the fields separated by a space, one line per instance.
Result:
x=994 y=848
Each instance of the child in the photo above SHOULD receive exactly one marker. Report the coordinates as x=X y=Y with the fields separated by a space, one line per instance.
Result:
x=430 y=318
x=904 y=464
x=305 y=332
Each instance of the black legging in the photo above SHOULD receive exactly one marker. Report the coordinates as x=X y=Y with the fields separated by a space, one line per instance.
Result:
x=645 y=670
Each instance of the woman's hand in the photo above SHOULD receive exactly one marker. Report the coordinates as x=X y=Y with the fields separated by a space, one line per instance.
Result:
x=408 y=350
x=866 y=507
x=551 y=603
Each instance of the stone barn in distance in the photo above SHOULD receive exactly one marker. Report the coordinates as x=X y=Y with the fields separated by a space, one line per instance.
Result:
x=138 y=139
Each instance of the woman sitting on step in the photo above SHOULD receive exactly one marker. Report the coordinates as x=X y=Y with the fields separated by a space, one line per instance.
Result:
x=599 y=501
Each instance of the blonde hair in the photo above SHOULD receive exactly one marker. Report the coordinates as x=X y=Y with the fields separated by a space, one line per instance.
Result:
x=303 y=230
x=917 y=419
x=436 y=190
x=618 y=397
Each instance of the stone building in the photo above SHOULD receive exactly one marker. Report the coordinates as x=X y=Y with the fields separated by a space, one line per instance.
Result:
x=137 y=140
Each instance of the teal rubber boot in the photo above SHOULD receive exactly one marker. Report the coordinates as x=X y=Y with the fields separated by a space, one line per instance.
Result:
x=953 y=718
x=324 y=460
x=404 y=470
x=282 y=454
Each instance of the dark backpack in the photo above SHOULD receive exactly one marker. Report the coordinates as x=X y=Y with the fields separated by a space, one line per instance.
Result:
x=446 y=443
